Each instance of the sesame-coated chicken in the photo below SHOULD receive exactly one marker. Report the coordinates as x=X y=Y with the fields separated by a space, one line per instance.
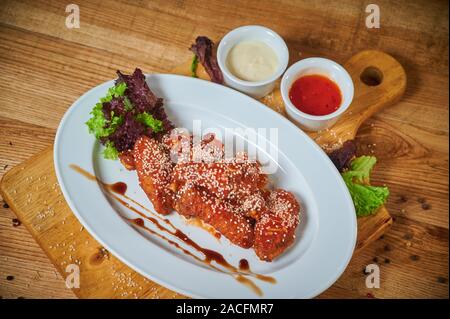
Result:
x=127 y=160
x=239 y=181
x=154 y=169
x=231 y=196
x=194 y=201
x=237 y=185
x=275 y=231
x=195 y=174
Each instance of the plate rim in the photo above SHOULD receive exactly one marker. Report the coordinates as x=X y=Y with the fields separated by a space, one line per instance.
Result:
x=285 y=121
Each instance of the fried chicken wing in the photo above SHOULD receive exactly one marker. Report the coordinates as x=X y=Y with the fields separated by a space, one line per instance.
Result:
x=194 y=175
x=225 y=180
x=194 y=201
x=127 y=160
x=154 y=169
x=238 y=181
x=251 y=205
x=230 y=196
x=275 y=231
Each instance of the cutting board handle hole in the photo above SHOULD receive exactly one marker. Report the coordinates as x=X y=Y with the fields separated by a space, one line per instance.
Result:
x=371 y=76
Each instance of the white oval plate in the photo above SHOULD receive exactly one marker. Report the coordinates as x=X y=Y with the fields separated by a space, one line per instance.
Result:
x=326 y=236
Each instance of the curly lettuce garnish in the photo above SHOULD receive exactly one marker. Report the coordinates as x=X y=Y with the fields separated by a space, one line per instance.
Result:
x=115 y=91
x=149 y=121
x=110 y=152
x=194 y=66
x=99 y=125
x=366 y=198
x=102 y=127
x=128 y=110
x=127 y=103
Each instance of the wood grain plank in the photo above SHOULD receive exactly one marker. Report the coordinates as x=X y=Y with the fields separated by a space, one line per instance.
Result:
x=410 y=259
x=411 y=138
x=412 y=167
x=366 y=102
x=45 y=214
x=315 y=25
x=38 y=71
x=20 y=255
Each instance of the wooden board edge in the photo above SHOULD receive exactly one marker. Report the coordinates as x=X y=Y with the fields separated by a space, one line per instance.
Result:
x=20 y=166
x=381 y=230
x=11 y=203
x=5 y=192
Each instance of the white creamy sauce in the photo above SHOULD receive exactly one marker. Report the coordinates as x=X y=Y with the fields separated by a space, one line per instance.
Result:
x=252 y=61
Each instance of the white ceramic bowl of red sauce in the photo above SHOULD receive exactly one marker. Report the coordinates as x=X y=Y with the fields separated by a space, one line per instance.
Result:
x=316 y=92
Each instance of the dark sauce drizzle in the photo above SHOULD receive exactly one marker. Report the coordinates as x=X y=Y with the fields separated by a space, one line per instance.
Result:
x=119 y=188
x=243 y=265
x=210 y=255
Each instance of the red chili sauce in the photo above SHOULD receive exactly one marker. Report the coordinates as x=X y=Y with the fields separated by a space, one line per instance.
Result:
x=315 y=95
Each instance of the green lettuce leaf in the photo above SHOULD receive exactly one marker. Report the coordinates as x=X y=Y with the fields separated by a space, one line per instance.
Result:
x=361 y=167
x=127 y=103
x=115 y=91
x=367 y=199
x=194 y=65
x=150 y=121
x=99 y=125
x=110 y=152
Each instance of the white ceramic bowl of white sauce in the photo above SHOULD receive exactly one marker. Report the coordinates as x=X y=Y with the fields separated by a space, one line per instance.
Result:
x=256 y=89
x=319 y=66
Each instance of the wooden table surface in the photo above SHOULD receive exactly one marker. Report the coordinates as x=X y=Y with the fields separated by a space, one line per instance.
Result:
x=45 y=66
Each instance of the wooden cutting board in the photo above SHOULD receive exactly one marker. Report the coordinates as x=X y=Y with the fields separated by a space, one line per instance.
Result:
x=32 y=191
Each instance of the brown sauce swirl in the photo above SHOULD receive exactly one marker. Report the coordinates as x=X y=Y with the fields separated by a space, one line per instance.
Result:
x=209 y=255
